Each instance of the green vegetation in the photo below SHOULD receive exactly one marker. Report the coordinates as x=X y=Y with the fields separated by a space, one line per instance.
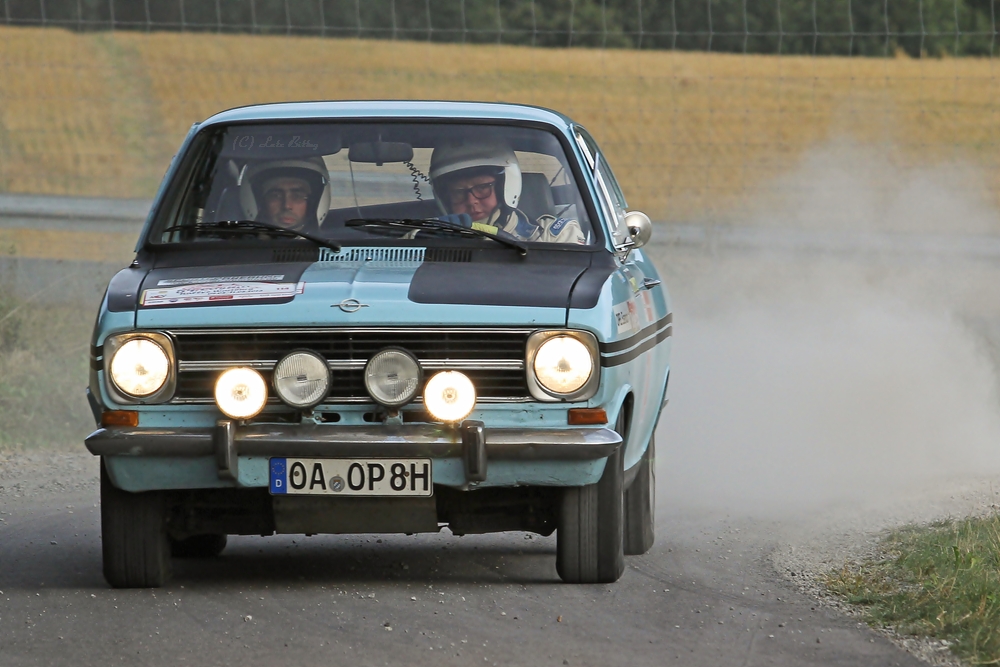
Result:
x=940 y=581
x=832 y=27
x=43 y=374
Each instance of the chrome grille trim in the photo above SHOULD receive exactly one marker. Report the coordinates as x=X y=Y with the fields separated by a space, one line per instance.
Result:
x=271 y=400
x=261 y=365
x=354 y=330
x=477 y=364
x=426 y=364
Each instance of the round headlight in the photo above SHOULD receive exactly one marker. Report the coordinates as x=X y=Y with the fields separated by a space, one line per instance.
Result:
x=563 y=364
x=301 y=379
x=392 y=377
x=240 y=393
x=449 y=396
x=140 y=367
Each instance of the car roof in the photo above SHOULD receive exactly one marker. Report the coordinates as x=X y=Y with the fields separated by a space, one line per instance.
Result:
x=396 y=109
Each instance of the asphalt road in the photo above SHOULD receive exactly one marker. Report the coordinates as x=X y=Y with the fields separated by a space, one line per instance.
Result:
x=708 y=595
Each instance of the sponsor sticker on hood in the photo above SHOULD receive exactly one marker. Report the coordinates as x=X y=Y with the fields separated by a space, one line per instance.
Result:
x=219 y=292
x=220 y=279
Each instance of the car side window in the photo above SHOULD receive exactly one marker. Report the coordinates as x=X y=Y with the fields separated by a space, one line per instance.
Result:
x=609 y=192
x=616 y=212
x=586 y=147
x=616 y=190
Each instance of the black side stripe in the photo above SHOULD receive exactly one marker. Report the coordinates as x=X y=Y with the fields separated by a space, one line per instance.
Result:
x=608 y=362
x=625 y=343
x=96 y=350
x=96 y=364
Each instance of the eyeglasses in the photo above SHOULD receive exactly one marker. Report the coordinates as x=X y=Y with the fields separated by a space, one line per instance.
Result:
x=279 y=196
x=479 y=191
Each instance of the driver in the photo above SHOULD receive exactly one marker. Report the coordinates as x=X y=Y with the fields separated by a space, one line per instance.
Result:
x=483 y=182
x=294 y=193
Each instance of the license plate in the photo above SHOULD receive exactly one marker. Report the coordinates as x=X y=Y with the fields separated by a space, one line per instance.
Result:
x=351 y=477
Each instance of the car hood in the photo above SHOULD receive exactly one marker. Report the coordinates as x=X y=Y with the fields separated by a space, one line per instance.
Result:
x=359 y=293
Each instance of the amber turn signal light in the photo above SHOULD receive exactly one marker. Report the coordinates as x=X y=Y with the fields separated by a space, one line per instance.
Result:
x=586 y=416
x=120 y=418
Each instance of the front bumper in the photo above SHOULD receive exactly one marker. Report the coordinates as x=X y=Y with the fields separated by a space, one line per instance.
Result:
x=470 y=442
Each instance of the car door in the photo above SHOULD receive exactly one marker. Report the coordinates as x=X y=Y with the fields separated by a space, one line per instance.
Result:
x=639 y=305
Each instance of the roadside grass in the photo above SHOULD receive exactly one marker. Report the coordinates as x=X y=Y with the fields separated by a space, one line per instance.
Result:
x=940 y=581
x=691 y=135
x=44 y=361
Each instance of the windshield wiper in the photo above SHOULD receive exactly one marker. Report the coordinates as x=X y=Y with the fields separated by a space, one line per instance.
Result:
x=435 y=225
x=236 y=225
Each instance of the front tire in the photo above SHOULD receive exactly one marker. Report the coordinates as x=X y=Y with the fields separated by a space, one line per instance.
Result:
x=640 y=505
x=134 y=540
x=589 y=545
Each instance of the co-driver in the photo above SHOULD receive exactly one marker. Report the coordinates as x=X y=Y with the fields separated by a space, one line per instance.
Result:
x=483 y=182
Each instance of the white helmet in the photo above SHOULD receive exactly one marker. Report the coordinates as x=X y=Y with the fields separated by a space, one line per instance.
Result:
x=311 y=169
x=448 y=160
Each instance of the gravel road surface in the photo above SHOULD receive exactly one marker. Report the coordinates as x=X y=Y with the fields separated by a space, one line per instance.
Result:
x=712 y=597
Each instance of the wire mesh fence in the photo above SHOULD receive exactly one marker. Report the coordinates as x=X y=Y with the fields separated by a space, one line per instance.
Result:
x=737 y=111
x=844 y=27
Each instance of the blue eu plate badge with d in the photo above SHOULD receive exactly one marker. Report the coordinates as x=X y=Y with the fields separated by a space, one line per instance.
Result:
x=279 y=476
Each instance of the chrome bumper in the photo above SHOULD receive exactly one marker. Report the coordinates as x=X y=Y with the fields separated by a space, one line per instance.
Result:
x=470 y=441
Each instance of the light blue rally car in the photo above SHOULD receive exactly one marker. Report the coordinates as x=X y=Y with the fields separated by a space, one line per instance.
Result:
x=372 y=317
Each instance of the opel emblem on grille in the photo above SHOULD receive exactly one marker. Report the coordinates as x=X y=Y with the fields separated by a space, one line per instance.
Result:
x=351 y=305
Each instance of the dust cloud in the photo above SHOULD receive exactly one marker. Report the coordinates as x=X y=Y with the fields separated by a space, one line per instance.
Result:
x=808 y=382
x=847 y=186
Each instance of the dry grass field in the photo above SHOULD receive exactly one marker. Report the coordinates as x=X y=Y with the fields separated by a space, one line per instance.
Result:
x=692 y=136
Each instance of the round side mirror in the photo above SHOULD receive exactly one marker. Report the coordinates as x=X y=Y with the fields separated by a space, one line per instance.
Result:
x=639 y=227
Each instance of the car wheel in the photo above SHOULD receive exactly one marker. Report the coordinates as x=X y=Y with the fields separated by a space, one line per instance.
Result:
x=198 y=546
x=589 y=546
x=133 y=537
x=640 y=505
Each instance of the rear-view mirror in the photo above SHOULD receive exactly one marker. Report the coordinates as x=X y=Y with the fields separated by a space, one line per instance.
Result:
x=380 y=152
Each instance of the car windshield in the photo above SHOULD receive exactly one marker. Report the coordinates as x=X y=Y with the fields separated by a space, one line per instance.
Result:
x=357 y=183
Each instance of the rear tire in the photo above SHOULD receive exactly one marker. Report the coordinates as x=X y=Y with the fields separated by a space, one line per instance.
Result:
x=198 y=546
x=589 y=545
x=640 y=505
x=133 y=537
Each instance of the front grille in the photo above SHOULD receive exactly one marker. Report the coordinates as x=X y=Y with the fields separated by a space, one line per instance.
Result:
x=492 y=358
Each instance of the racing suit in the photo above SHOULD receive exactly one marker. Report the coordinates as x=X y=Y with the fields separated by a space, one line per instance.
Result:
x=548 y=228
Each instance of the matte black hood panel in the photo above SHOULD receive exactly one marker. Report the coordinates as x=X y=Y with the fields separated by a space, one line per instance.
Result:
x=542 y=278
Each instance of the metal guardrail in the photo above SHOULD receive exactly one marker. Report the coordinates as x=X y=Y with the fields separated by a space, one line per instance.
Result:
x=89 y=214
x=71 y=280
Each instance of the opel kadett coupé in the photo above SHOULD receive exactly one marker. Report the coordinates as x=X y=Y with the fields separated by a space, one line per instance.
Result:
x=374 y=317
